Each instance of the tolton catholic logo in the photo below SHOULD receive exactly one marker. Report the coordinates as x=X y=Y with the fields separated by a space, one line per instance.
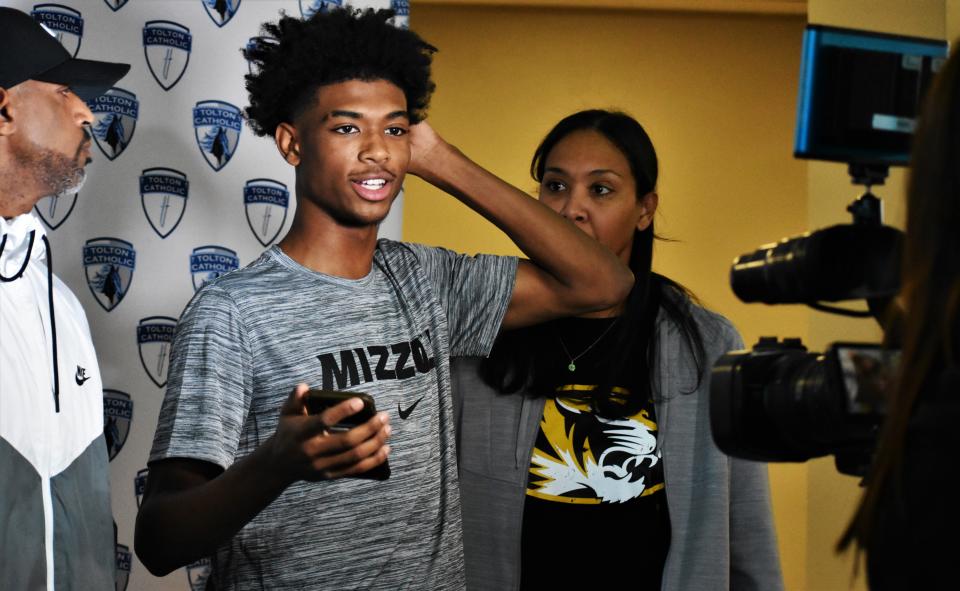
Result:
x=255 y=42
x=217 y=125
x=308 y=8
x=221 y=11
x=163 y=195
x=116 y=113
x=402 y=18
x=265 y=202
x=209 y=262
x=54 y=210
x=154 y=335
x=167 y=46
x=140 y=484
x=63 y=22
x=117 y=415
x=198 y=573
x=115 y=5
x=124 y=559
x=109 y=264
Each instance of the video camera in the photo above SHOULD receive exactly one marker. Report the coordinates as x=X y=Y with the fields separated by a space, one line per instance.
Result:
x=860 y=94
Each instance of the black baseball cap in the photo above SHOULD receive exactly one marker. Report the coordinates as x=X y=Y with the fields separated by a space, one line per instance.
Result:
x=29 y=52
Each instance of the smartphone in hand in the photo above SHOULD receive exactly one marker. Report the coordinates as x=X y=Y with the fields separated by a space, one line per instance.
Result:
x=318 y=401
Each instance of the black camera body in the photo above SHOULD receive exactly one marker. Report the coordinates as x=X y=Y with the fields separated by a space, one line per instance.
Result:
x=779 y=402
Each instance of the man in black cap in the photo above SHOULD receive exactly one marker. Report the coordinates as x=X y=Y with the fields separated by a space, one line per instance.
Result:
x=56 y=528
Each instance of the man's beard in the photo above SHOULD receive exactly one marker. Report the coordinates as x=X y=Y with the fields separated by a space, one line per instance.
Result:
x=60 y=175
x=56 y=173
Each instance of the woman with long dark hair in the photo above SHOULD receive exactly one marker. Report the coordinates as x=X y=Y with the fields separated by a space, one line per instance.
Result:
x=586 y=459
x=909 y=515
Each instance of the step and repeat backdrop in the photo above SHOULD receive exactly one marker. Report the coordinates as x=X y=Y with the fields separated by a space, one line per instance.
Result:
x=180 y=191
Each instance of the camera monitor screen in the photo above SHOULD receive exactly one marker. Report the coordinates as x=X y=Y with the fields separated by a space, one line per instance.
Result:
x=860 y=93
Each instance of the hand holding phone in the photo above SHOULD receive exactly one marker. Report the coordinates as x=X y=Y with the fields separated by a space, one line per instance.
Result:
x=306 y=447
x=317 y=401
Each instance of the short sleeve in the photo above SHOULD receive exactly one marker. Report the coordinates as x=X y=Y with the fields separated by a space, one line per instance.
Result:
x=474 y=291
x=209 y=387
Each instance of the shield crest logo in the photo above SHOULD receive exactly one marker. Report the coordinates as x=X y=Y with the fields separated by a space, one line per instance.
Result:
x=122 y=575
x=216 y=126
x=140 y=484
x=221 y=11
x=167 y=47
x=402 y=10
x=209 y=262
x=154 y=336
x=115 y=5
x=308 y=8
x=117 y=415
x=253 y=43
x=265 y=202
x=163 y=195
x=116 y=113
x=54 y=210
x=109 y=264
x=197 y=574
x=65 y=23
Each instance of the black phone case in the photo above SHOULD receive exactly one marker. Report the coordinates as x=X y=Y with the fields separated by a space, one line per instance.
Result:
x=319 y=400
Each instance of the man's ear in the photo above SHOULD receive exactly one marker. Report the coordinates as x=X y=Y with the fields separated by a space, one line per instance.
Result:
x=6 y=121
x=648 y=207
x=287 y=142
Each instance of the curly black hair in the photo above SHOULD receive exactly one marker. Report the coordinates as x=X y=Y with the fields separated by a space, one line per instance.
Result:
x=295 y=57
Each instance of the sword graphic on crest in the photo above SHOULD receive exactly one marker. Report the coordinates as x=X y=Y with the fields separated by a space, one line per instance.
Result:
x=163 y=210
x=160 y=360
x=266 y=221
x=167 y=59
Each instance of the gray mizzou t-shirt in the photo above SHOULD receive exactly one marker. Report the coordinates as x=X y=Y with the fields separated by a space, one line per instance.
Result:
x=247 y=338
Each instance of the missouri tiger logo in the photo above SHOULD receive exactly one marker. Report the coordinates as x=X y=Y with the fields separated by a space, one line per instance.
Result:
x=582 y=457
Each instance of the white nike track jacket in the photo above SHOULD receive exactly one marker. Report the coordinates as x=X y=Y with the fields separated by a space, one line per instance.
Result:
x=56 y=527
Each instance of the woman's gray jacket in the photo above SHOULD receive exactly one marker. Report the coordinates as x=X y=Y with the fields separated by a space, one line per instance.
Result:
x=722 y=532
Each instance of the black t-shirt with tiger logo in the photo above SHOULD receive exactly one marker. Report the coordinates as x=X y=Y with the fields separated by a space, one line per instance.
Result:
x=595 y=514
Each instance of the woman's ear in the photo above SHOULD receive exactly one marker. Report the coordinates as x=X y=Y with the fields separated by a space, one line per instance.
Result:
x=648 y=207
x=286 y=139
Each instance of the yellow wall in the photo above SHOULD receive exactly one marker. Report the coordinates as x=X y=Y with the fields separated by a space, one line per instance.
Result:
x=717 y=94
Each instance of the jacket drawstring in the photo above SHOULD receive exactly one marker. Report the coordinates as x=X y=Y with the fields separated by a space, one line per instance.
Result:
x=53 y=319
x=53 y=326
x=26 y=259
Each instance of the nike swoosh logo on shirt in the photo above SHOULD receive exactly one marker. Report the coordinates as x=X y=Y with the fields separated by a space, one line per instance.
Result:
x=406 y=413
x=81 y=376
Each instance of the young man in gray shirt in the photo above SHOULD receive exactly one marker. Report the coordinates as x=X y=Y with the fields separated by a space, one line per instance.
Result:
x=239 y=470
